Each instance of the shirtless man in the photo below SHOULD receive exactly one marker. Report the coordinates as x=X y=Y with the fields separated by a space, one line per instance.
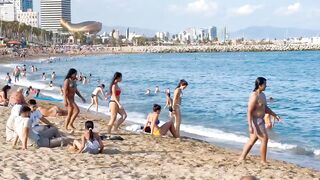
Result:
x=257 y=107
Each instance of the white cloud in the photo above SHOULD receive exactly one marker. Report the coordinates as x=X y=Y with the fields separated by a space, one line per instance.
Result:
x=293 y=8
x=205 y=7
x=202 y=6
x=246 y=9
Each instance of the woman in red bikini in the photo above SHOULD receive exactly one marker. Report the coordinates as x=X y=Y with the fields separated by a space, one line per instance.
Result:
x=115 y=105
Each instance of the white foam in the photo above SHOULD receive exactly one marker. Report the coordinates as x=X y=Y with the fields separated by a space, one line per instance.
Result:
x=316 y=152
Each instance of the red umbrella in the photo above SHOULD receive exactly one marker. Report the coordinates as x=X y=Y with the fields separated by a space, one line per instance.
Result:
x=14 y=42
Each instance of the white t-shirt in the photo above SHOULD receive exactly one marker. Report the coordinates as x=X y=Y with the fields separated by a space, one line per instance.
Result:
x=15 y=111
x=24 y=122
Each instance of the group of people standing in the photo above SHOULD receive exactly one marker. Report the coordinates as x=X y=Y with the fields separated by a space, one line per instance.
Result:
x=116 y=107
x=257 y=108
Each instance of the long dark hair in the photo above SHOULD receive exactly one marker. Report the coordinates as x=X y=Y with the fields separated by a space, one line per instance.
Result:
x=70 y=73
x=259 y=81
x=115 y=76
x=89 y=126
x=182 y=83
x=5 y=90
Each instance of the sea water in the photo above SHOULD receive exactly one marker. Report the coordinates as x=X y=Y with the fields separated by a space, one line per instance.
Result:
x=214 y=105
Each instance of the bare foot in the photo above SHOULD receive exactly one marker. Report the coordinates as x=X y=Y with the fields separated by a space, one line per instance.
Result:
x=240 y=160
x=71 y=131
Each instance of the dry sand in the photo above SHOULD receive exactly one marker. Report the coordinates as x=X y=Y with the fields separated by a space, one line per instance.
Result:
x=136 y=157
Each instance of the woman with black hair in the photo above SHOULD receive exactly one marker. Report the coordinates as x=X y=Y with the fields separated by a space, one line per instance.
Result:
x=152 y=124
x=90 y=141
x=4 y=99
x=176 y=106
x=257 y=108
x=115 y=105
x=70 y=89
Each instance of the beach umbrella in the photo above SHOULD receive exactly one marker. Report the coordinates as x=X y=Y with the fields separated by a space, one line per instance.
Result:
x=13 y=42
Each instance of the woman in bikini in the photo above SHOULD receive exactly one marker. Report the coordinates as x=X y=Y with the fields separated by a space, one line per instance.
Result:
x=177 y=103
x=257 y=108
x=70 y=89
x=152 y=124
x=115 y=105
x=95 y=95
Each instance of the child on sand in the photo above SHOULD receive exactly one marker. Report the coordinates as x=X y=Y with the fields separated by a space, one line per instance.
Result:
x=90 y=141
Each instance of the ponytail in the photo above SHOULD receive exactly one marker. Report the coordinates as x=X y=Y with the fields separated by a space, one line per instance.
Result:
x=89 y=126
x=91 y=135
x=259 y=81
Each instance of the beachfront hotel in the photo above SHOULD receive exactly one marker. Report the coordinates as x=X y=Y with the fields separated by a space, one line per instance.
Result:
x=51 y=13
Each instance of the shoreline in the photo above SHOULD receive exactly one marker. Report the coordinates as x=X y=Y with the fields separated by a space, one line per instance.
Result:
x=102 y=50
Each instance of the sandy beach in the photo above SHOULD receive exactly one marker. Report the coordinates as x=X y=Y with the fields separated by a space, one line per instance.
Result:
x=136 y=157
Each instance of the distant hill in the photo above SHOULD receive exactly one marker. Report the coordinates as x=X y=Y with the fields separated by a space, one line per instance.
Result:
x=264 y=32
x=137 y=30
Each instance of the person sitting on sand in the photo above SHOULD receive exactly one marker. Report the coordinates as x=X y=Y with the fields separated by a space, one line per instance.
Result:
x=95 y=94
x=24 y=133
x=90 y=141
x=17 y=97
x=53 y=111
x=15 y=111
x=257 y=108
x=48 y=130
x=152 y=124
x=4 y=100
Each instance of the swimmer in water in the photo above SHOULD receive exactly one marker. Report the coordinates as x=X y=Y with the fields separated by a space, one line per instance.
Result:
x=157 y=90
x=53 y=76
x=148 y=92
x=44 y=77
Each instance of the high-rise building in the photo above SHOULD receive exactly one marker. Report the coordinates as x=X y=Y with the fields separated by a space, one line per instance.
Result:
x=52 y=11
x=212 y=33
x=26 y=5
x=7 y=12
x=127 y=33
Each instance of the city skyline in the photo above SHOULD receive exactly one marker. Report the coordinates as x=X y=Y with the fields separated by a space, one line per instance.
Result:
x=176 y=15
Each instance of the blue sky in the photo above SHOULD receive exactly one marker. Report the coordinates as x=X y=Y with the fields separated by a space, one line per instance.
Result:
x=176 y=15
